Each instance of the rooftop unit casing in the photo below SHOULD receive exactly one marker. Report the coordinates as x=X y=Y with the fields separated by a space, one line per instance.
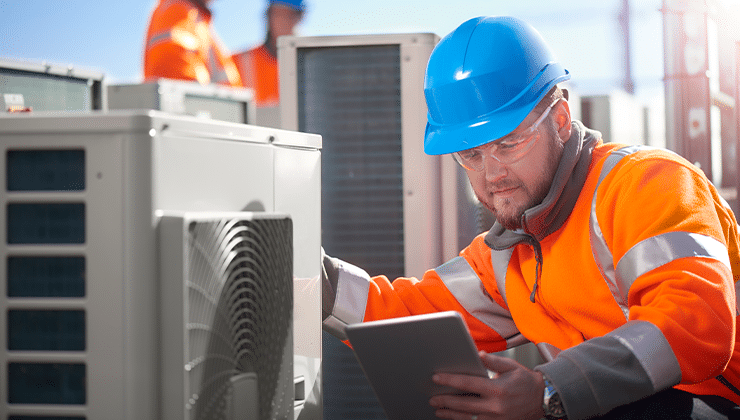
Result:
x=42 y=86
x=183 y=97
x=386 y=206
x=83 y=296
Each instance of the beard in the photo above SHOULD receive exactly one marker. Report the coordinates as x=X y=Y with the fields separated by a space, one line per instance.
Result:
x=509 y=214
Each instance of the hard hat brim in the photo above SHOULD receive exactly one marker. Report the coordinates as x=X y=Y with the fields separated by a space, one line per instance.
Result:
x=440 y=139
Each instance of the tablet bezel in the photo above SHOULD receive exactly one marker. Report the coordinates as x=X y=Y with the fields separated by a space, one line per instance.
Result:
x=400 y=355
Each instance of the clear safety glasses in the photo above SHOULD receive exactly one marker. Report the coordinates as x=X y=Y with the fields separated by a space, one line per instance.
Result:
x=505 y=151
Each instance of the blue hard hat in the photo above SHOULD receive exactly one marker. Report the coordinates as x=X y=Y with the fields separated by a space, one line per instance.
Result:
x=483 y=79
x=298 y=5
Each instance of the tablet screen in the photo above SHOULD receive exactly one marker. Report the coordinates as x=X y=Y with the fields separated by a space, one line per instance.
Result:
x=400 y=355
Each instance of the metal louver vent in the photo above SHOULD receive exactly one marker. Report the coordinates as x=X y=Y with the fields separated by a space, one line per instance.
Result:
x=239 y=317
x=352 y=97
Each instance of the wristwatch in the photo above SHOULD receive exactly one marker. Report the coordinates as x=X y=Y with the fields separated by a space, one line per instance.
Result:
x=551 y=403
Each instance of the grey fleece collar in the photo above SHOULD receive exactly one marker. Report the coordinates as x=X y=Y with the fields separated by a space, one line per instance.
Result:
x=548 y=216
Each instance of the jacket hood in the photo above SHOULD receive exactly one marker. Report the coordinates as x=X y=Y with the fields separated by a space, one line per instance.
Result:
x=548 y=216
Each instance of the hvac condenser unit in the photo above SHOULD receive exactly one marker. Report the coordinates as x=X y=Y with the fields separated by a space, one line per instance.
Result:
x=211 y=101
x=386 y=206
x=227 y=316
x=42 y=86
x=619 y=116
x=158 y=267
x=380 y=193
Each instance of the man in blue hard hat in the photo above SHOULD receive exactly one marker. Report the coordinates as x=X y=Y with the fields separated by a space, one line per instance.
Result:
x=618 y=261
x=258 y=67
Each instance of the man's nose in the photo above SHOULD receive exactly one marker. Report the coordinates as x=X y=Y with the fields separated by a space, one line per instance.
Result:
x=494 y=169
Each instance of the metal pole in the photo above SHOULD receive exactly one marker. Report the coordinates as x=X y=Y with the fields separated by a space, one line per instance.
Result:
x=688 y=130
x=736 y=203
x=624 y=23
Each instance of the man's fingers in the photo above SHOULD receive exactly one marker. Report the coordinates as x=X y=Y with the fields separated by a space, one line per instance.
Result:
x=459 y=403
x=463 y=383
x=497 y=364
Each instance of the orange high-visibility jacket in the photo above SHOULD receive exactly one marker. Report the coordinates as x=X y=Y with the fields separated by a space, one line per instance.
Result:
x=259 y=70
x=181 y=44
x=628 y=269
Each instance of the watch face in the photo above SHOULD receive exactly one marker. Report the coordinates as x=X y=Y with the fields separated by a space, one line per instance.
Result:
x=552 y=406
x=555 y=407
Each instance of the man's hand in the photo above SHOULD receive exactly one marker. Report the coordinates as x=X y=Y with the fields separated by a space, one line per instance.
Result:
x=514 y=393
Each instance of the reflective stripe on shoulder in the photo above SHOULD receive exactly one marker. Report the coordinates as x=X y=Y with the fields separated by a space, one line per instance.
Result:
x=245 y=64
x=650 y=253
x=350 y=303
x=158 y=38
x=602 y=253
x=164 y=35
x=659 y=250
x=649 y=346
x=217 y=70
x=465 y=285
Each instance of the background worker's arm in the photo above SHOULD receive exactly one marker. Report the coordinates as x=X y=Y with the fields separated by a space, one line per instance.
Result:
x=173 y=45
x=173 y=61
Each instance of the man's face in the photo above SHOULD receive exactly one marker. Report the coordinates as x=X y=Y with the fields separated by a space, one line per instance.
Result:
x=283 y=20
x=509 y=190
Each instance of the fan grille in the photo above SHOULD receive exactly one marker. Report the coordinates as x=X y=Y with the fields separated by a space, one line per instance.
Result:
x=240 y=314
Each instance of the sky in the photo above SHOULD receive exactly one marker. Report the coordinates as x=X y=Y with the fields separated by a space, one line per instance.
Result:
x=107 y=36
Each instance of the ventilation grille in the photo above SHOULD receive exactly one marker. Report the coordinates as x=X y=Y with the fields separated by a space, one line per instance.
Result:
x=240 y=314
x=352 y=97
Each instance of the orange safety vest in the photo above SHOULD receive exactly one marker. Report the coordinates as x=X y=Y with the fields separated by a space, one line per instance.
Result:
x=635 y=281
x=259 y=71
x=181 y=44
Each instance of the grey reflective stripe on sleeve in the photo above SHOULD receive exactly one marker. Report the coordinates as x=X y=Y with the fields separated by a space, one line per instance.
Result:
x=465 y=285
x=602 y=253
x=650 y=347
x=353 y=286
x=158 y=37
x=635 y=359
x=659 y=250
x=649 y=254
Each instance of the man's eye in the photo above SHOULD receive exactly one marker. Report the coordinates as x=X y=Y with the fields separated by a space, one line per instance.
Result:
x=467 y=154
x=507 y=145
x=474 y=154
x=510 y=144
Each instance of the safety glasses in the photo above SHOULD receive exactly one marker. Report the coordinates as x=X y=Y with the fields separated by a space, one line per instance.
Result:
x=506 y=151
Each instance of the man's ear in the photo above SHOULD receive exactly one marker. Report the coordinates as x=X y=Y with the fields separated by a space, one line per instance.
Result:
x=561 y=113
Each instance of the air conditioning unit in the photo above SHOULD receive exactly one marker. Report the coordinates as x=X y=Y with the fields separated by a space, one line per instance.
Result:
x=182 y=97
x=364 y=95
x=386 y=206
x=227 y=316
x=41 y=86
x=126 y=235
x=619 y=116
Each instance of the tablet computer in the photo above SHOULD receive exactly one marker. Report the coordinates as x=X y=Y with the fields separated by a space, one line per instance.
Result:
x=400 y=355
